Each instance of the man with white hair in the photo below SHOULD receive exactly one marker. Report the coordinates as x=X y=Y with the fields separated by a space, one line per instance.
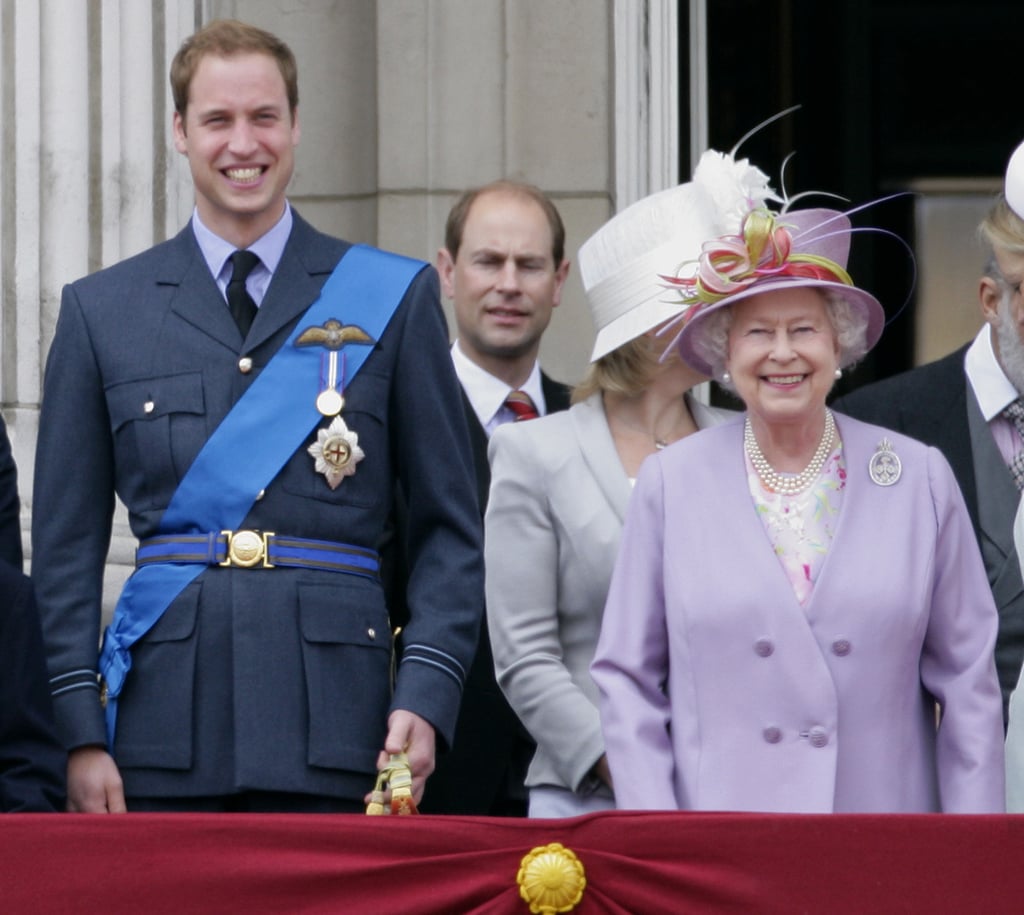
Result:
x=969 y=404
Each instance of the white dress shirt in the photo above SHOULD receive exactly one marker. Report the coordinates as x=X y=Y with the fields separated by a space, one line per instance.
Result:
x=993 y=391
x=487 y=394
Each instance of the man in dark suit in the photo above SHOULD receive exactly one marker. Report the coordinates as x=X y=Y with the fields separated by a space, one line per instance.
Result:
x=10 y=523
x=504 y=267
x=253 y=390
x=958 y=404
x=32 y=761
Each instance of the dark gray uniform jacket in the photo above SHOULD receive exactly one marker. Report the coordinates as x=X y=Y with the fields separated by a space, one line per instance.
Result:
x=253 y=679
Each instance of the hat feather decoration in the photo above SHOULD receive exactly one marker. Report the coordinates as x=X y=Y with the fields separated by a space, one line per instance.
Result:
x=621 y=264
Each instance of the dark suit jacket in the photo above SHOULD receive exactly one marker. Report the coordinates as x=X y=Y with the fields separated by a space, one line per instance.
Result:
x=485 y=771
x=930 y=404
x=32 y=760
x=253 y=679
x=10 y=525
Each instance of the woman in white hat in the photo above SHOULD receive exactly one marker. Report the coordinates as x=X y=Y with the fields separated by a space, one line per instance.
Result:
x=560 y=484
x=799 y=618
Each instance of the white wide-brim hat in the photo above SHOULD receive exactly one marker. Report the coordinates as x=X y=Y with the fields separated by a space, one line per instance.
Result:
x=1014 y=187
x=622 y=263
x=815 y=233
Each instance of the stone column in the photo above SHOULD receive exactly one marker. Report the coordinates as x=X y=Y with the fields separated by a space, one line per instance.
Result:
x=403 y=104
x=86 y=179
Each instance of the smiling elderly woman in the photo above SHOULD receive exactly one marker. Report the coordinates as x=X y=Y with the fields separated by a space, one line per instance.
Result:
x=796 y=594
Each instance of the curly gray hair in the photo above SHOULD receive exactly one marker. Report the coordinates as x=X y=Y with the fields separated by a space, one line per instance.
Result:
x=850 y=325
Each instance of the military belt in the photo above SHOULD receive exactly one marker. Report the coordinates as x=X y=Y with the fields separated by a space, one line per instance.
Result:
x=252 y=549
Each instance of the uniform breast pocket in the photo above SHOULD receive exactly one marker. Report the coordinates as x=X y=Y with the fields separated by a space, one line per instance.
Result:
x=158 y=425
x=371 y=476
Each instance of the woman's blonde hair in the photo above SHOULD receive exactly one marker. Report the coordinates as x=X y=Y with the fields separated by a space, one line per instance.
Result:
x=627 y=369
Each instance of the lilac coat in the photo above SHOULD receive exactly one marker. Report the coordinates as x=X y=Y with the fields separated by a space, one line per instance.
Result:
x=718 y=691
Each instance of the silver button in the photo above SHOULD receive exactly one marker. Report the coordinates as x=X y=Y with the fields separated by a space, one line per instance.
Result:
x=148 y=406
x=260 y=495
x=764 y=648
x=818 y=736
x=772 y=734
x=245 y=365
x=841 y=647
x=372 y=633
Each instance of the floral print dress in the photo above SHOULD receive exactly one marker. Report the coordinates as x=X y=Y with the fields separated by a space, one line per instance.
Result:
x=800 y=527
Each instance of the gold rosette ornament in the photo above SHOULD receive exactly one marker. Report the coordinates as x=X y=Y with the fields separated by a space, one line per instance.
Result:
x=551 y=879
x=336 y=452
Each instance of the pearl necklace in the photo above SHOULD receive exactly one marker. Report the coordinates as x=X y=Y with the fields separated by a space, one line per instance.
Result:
x=786 y=484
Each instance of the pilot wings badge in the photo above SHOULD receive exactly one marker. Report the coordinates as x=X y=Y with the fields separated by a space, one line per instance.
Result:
x=332 y=335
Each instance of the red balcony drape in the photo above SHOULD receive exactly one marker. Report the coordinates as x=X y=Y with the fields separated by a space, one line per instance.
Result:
x=634 y=863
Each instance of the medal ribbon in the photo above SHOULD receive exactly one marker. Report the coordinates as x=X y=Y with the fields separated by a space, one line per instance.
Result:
x=217 y=492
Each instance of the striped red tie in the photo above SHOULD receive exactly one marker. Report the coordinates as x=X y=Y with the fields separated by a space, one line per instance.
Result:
x=519 y=402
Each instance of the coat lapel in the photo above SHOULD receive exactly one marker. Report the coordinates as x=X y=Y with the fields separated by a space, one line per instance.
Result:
x=749 y=539
x=857 y=453
x=951 y=435
x=308 y=259
x=478 y=444
x=598 y=450
x=556 y=394
x=194 y=296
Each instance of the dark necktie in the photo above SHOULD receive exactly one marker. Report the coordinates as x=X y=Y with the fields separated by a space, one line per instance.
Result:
x=243 y=308
x=1015 y=413
x=519 y=402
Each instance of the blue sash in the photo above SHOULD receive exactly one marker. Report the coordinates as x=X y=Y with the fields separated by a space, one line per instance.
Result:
x=267 y=424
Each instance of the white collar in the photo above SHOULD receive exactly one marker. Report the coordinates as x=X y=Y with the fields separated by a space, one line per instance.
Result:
x=487 y=394
x=991 y=387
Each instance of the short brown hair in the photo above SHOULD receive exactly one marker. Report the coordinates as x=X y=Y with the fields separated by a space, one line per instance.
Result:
x=225 y=38
x=456 y=223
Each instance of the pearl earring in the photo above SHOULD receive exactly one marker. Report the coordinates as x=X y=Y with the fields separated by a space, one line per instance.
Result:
x=839 y=374
x=726 y=377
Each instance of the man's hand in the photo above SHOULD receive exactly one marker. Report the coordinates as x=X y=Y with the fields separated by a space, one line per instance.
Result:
x=94 y=784
x=414 y=736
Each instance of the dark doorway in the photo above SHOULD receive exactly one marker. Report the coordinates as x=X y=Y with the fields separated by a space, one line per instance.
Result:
x=890 y=91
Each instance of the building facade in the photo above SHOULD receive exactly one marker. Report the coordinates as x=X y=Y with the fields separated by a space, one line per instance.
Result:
x=403 y=104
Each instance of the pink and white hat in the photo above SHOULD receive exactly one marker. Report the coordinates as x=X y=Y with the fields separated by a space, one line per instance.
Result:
x=772 y=251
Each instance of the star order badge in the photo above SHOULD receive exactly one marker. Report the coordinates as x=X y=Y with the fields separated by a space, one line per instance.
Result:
x=885 y=466
x=336 y=452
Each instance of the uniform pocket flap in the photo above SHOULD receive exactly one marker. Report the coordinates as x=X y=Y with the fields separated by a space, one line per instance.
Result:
x=149 y=398
x=178 y=621
x=350 y=612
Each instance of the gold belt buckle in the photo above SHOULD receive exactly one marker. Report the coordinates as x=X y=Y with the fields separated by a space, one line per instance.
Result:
x=247 y=549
